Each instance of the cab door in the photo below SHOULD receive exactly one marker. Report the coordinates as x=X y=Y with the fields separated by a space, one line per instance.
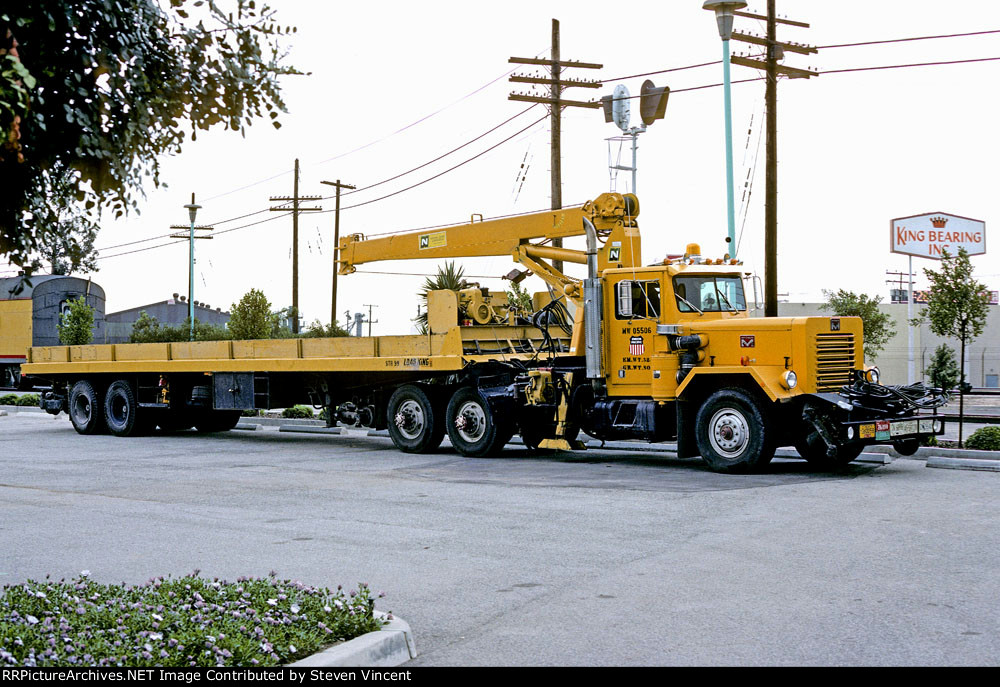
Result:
x=633 y=303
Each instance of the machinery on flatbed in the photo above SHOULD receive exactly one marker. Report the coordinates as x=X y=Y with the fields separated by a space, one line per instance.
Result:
x=658 y=352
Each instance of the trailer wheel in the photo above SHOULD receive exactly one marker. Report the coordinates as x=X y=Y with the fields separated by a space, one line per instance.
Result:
x=815 y=454
x=217 y=420
x=415 y=423
x=472 y=427
x=86 y=411
x=733 y=433
x=121 y=412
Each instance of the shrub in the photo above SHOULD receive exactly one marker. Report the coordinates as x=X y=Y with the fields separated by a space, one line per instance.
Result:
x=76 y=326
x=28 y=400
x=8 y=400
x=183 y=622
x=297 y=412
x=251 y=317
x=984 y=439
x=252 y=412
x=147 y=329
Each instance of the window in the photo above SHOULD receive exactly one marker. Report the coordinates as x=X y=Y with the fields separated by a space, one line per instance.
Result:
x=709 y=293
x=638 y=300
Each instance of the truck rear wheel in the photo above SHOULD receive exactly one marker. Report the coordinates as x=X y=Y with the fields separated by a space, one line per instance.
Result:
x=733 y=433
x=86 y=411
x=415 y=423
x=472 y=427
x=122 y=414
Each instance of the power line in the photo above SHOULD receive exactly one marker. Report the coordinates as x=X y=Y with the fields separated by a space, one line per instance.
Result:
x=663 y=71
x=915 y=38
x=914 y=64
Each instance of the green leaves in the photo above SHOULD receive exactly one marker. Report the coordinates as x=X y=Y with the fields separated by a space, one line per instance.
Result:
x=878 y=326
x=76 y=326
x=107 y=88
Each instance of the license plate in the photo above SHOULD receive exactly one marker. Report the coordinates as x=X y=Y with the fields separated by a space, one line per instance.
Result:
x=866 y=431
x=927 y=426
x=882 y=430
x=903 y=428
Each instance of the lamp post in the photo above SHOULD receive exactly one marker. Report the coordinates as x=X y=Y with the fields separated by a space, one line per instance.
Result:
x=724 y=16
x=192 y=209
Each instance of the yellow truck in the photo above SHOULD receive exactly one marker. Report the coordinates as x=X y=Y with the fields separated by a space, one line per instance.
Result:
x=656 y=352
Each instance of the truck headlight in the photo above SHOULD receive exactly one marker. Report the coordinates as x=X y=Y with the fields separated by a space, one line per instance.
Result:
x=872 y=375
x=789 y=379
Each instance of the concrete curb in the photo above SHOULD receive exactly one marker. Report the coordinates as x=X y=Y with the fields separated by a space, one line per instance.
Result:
x=391 y=646
x=249 y=427
x=306 y=429
x=989 y=465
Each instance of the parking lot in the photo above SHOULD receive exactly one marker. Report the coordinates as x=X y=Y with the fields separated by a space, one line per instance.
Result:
x=598 y=558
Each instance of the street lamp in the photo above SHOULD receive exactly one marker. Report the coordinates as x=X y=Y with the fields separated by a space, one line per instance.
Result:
x=192 y=209
x=724 y=16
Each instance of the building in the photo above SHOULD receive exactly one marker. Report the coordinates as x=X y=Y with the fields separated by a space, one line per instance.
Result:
x=173 y=311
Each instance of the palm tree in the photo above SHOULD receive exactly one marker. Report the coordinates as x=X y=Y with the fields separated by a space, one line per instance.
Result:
x=450 y=277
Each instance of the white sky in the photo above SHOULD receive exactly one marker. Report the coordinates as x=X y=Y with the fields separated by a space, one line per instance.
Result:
x=855 y=149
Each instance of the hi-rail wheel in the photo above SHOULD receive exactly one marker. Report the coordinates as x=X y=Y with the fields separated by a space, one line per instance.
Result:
x=86 y=410
x=217 y=420
x=813 y=450
x=472 y=427
x=733 y=433
x=416 y=424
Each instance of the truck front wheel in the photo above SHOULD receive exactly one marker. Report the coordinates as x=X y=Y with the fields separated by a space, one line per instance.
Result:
x=415 y=423
x=86 y=411
x=733 y=433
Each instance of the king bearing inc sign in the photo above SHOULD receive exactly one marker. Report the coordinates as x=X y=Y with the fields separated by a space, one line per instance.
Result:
x=933 y=234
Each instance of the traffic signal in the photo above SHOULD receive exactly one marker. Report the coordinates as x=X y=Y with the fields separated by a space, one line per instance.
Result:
x=652 y=102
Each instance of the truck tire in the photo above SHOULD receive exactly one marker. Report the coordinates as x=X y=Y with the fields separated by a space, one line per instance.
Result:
x=733 y=433
x=121 y=412
x=473 y=429
x=86 y=411
x=209 y=421
x=416 y=424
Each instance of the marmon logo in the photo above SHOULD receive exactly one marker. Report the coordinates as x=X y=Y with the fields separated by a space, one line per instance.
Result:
x=747 y=340
x=834 y=324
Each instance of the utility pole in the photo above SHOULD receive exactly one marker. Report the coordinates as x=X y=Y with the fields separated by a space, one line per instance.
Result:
x=370 y=320
x=775 y=52
x=336 y=248
x=556 y=84
x=295 y=199
x=192 y=209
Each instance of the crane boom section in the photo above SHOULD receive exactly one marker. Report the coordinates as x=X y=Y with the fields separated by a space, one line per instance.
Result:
x=495 y=237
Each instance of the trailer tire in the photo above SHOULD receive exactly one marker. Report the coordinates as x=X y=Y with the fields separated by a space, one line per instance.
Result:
x=733 y=432
x=86 y=411
x=472 y=427
x=121 y=412
x=217 y=421
x=415 y=423
x=815 y=454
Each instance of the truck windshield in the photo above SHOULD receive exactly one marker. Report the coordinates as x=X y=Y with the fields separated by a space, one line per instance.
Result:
x=710 y=293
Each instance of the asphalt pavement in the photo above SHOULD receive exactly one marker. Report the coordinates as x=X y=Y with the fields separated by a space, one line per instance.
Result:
x=599 y=558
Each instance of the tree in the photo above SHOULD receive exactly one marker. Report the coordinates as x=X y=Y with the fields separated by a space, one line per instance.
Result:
x=318 y=330
x=957 y=306
x=519 y=299
x=251 y=318
x=451 y=278
x=878 y=326
x=943 y=368
x=93 y=92
x=65 y=234
x=76 y=326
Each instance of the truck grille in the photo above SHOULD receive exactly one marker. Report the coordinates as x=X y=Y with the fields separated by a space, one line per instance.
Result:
x=834 y=360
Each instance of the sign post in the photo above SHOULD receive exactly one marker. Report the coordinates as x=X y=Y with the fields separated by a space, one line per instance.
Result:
x=930 y=236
